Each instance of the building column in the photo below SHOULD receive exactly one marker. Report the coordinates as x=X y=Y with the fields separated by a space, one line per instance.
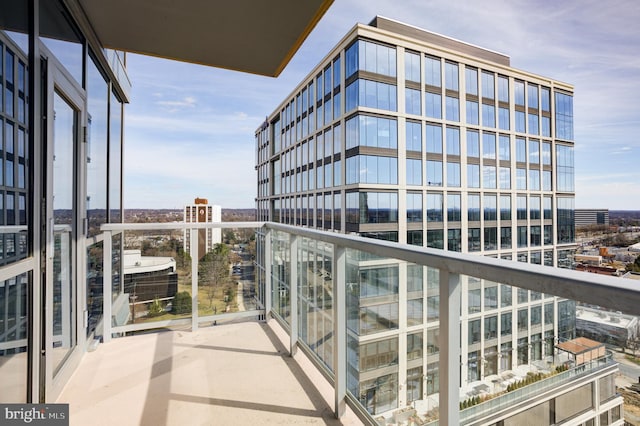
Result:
x=449 y=399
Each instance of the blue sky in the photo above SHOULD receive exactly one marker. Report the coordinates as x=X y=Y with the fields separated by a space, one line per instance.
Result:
x=189 y=130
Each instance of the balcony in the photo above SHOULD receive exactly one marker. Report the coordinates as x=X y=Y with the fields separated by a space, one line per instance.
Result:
x=361 y=341
x=236 y=374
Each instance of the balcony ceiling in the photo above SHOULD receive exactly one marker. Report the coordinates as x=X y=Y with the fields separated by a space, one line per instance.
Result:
x=258 y=37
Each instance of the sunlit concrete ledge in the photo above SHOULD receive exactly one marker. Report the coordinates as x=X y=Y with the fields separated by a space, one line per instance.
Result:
x=232 y=374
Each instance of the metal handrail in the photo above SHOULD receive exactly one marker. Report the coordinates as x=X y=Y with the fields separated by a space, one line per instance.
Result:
x=600 y=290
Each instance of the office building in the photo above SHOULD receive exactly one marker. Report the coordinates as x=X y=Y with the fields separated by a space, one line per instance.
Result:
x=586 y=217
x=202 y=212
x=408 y=136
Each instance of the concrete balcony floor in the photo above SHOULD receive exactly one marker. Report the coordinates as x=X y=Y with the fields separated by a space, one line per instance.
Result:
x=232 y=374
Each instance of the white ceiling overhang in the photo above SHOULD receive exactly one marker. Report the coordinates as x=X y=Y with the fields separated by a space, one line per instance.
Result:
x=258 y=37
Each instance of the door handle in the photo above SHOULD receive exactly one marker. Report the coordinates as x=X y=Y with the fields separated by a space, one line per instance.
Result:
x=51 y=239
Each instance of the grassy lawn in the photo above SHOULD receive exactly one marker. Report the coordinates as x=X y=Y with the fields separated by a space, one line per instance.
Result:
x=206 y=306
x=632 y=358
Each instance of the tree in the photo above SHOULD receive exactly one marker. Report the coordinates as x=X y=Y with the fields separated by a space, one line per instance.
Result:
x=234 y=257
x=620 y=240
x=214 y=270
x=251 y=248
x=230 y=237
x=182 y=303
x=156 y=308
x=635 y=266
x=617 y=240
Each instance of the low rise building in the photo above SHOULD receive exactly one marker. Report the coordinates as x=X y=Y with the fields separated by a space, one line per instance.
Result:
x=149 y=277
x=606 y=326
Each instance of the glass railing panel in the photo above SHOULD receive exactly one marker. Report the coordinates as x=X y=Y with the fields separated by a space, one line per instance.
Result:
x=226 y=272
x=376 y=330
x=516 y=345
x=315 y=298
x=117 y=287
x=94 y=290
x=280 y=274
x=258 y=250
x=156 y=284
x=14 y=325
x=504 y=340
x=510 y=338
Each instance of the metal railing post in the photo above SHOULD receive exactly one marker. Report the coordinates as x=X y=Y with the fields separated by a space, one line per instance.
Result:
x=267 y=273
x=339 y=329
x=107 y=274
x=449 y=399
x=293 y=293
x=194 y=277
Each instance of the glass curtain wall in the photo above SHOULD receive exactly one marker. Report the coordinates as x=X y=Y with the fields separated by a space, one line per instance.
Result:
x=59 y=35
x=15 y=208
x=104 y=185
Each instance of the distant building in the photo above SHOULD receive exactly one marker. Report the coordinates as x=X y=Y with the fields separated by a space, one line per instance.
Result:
x=586 y=217
x=605 y=326
x=149 y=277
x=635 y=247
x=596 y=269
x=201 y=211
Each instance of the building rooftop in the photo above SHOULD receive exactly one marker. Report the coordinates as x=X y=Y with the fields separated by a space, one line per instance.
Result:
x=440 y=40
x=601 y=316
x=135 y=263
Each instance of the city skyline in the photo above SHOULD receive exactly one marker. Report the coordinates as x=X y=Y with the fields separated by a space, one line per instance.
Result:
x=184 y=117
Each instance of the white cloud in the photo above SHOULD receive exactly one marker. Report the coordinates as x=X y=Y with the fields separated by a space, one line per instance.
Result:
x=207 y=125
x=186 y=102
x=166 y=174
x=622 y=150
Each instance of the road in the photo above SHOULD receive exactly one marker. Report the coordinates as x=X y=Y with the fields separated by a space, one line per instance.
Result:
x=627 y=368
x=246 y=283
x=629 y=371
